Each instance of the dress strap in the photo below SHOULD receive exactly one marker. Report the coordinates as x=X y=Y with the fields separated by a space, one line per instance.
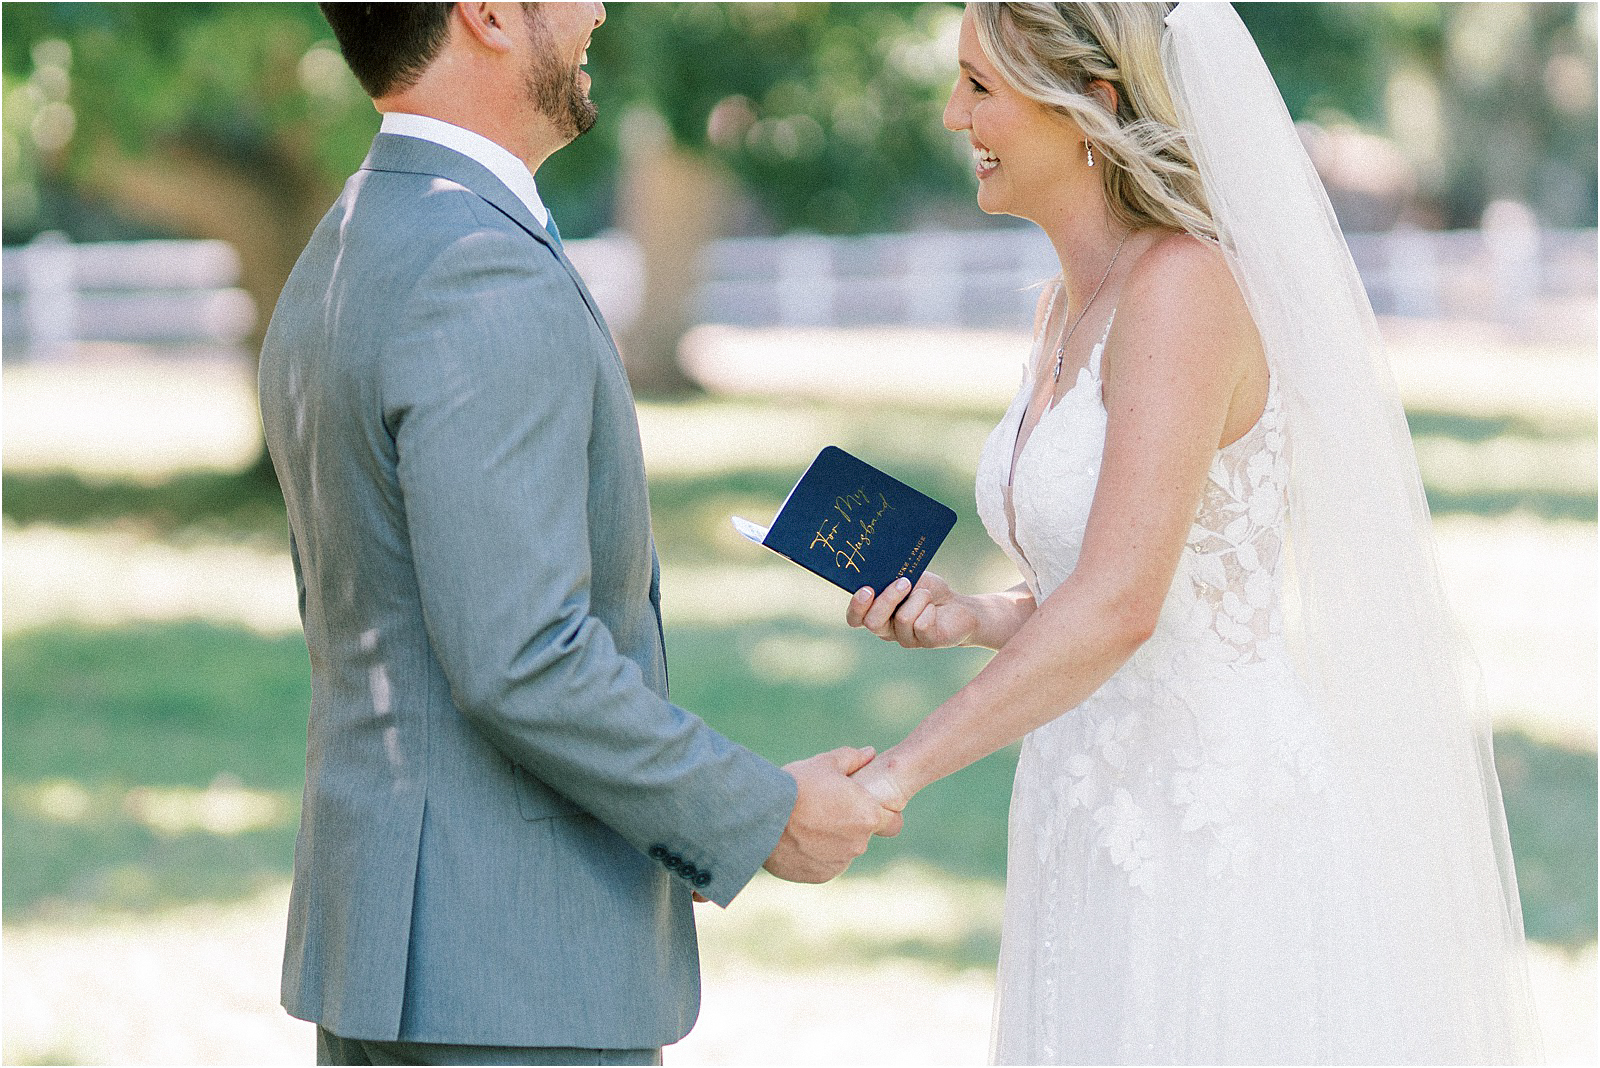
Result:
x=1100 y=346
x=1041 y=322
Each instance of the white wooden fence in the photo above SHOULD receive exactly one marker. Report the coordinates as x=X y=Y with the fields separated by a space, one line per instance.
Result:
x=988 y=278
x=185 y=292
x=164 y=292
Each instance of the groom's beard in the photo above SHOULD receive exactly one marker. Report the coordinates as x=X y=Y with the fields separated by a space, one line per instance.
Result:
x=553 y=86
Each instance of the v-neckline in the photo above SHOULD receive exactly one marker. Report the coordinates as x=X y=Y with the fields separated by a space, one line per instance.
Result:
x=1006 y=490
x=1019 y=446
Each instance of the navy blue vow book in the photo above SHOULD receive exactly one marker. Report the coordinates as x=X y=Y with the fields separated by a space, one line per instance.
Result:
x=854 y=525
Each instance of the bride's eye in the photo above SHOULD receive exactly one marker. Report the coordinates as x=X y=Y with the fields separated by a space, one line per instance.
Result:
x=977 y=86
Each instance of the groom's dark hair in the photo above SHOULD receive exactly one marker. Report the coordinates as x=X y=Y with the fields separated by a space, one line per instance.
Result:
x=388 y=46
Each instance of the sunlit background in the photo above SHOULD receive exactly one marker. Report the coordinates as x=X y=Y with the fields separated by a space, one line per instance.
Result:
x=786 y=242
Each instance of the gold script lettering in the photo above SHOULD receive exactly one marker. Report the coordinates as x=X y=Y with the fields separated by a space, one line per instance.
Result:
x=850 y=553
x=846 y=504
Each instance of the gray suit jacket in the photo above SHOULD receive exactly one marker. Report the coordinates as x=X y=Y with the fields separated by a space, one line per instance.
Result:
x=503 y=814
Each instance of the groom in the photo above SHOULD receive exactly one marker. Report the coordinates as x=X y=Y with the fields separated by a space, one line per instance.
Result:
x=504 y=818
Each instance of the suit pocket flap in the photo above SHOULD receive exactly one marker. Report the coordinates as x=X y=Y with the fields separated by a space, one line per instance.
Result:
x=537 y=801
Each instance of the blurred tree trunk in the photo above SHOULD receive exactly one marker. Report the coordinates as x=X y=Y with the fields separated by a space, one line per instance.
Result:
x=265 y=210
x=674 y=203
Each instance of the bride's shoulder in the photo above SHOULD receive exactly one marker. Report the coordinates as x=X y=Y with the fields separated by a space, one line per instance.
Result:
x=1182 y=284
x=1181 y=308
x=1181 y=261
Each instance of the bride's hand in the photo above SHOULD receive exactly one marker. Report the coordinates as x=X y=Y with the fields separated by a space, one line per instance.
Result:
x=932 y=616
x=878 y=781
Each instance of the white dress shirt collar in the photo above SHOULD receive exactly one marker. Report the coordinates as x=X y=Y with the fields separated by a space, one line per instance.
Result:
x=502 y=164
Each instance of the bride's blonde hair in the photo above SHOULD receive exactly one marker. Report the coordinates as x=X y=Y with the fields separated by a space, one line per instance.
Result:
x=1051 y=53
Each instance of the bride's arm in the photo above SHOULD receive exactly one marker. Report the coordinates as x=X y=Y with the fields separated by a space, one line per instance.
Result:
x=1182 y=347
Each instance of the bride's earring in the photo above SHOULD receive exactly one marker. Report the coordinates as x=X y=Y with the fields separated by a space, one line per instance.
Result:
x=1088 y=147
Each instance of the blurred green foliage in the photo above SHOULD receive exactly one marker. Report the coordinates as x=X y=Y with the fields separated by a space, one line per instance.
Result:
x=827 y=112
x=824 y=108
x=1485 y=101
x=259 y=88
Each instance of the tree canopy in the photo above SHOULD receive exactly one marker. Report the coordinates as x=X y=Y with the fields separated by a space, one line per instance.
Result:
x=828 y=114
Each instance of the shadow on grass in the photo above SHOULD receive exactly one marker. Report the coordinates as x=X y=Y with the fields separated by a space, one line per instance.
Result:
x=789 y=690
x=1541 y=504
x=1475 y=428
x=112 y=740
x=1550 y=797
x=95 y=720
x=202 y=501
x=1497 y=497
x=685 y=508
x=781 y=946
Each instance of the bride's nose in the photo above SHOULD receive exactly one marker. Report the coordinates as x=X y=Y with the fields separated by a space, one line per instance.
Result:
x=957 y=116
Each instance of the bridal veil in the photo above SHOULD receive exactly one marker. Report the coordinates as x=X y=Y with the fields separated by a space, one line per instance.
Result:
x=1432 y=924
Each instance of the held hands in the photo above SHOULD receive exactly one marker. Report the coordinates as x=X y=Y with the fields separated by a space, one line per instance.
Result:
x=931 y=616
x=834 y=817
x=881 y=783
x=844 y=796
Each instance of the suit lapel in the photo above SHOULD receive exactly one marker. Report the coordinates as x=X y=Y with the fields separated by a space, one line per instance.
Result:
x=412 y=155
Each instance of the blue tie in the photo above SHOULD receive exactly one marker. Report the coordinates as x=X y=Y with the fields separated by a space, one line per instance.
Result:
x=550 y=225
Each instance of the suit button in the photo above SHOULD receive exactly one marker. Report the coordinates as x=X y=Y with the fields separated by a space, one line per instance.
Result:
x=702 y=879
x=689 y=871
x=674 y=862
x=658 y=852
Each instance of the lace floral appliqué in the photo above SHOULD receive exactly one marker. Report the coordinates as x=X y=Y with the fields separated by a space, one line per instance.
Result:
x=1199 y=740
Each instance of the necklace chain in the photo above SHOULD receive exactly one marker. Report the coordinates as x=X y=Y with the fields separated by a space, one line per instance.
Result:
x=1061 y=349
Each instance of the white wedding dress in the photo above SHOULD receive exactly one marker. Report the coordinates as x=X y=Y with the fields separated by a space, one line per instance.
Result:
x=1178 y=888
x=1276 y=834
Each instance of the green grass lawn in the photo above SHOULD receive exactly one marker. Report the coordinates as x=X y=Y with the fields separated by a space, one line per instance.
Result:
x=97 y=723
x=158 y=764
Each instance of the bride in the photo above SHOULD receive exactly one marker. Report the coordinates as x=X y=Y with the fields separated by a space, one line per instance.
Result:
x=1255 y=817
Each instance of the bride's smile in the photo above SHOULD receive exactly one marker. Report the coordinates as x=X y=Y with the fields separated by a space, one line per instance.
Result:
x=1022 y=151
x=987 y=161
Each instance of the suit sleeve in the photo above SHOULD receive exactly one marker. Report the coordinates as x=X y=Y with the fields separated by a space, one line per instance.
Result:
x=488 y=393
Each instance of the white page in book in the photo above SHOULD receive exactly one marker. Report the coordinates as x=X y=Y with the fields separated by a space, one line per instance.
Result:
x=756 y=532
x=753 y=531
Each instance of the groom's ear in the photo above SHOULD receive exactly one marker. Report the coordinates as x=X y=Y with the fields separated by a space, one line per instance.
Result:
x=488 y=24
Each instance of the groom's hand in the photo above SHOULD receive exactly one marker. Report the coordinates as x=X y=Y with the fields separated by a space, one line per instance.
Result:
x=832 y=821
